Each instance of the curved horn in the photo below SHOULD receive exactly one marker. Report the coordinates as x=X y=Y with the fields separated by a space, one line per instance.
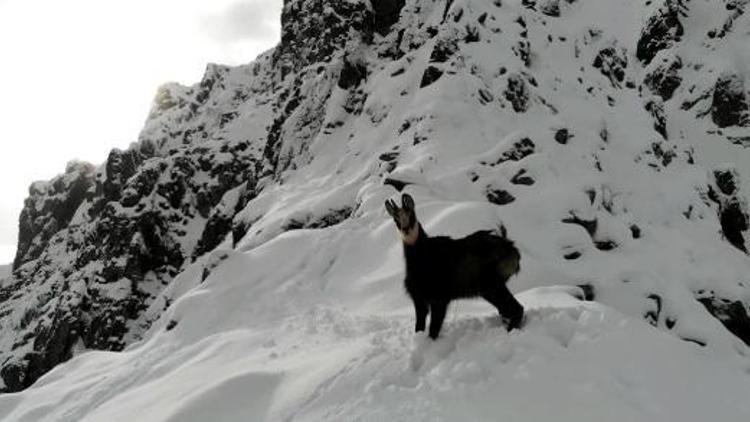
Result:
x=391 y=207
x=407 y=201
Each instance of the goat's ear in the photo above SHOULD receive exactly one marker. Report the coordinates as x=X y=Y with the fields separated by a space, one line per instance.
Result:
x=390 y=207
x=503 y=231
x=407 y=202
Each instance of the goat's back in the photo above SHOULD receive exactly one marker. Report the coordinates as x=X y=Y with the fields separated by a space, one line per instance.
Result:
x=465 y=267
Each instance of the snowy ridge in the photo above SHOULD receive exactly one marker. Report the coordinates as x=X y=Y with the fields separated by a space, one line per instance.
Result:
x=537 y=115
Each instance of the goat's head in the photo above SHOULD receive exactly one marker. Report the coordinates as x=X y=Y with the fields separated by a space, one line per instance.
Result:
x=405 y=218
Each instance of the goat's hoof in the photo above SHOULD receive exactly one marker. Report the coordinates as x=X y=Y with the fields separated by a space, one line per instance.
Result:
x=514 y=324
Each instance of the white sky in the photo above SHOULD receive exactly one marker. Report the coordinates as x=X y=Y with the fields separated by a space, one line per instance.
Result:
x=77 y=77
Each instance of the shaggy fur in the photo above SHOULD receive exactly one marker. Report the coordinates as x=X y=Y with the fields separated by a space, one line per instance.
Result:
x=441 y=269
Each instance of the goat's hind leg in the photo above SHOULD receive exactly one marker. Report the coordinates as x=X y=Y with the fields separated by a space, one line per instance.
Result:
x=438 y=311
x=507 y=305
x=420 y=310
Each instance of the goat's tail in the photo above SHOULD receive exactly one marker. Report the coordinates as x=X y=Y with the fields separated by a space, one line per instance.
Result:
x=509 y=258
x=510 y=264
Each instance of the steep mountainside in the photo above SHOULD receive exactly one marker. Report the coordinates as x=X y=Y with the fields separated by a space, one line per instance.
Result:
x=596 y=131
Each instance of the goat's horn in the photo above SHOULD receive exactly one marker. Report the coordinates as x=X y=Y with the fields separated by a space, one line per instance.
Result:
x=407 y=201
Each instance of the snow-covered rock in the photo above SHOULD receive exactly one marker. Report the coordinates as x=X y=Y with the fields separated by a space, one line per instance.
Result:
x=240 y=255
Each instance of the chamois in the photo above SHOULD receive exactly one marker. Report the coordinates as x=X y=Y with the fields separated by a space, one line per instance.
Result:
x=440 y=269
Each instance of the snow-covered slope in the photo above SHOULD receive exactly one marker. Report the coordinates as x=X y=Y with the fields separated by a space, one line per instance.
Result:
x=573 y=361
x=265 y=184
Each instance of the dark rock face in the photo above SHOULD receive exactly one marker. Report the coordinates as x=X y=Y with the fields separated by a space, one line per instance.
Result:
x=313 y=30
x=656 y=110
x=550 y=7
x=444 y=49
x=499 y=197
x=49 y=208
x=520 y=150
x=732 y=313
x=430 y=76
x=734 y=222
x=522 y=178
x=652 y=315
x=589 y=225
x=352 y=74
x=517 y=93
x=730 y=105
x=731 y=209
x=662 y=152
x=612 y=62
x=299 y=107
x=726 y=181
x=562 y=136
x=221 y=221
x=517 y=152
x=331 y=218
x=605 y=245
x=397 y=184
x=386 y=13
x=662 y=30
x=665 y=78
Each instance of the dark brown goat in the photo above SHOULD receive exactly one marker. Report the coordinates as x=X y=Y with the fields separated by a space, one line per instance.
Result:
x=440 y=269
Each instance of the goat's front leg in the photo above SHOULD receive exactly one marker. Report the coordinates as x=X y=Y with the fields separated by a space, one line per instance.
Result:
x=421 y=310
x=438 y=310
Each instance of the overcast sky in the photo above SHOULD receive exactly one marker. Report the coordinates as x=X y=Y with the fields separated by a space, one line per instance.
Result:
x=77 y=77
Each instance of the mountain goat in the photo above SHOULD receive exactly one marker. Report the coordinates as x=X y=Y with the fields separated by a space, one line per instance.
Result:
x=440 y=269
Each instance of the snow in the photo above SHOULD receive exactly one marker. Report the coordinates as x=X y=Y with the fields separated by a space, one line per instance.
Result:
x=314 y=324
x=573 y=360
